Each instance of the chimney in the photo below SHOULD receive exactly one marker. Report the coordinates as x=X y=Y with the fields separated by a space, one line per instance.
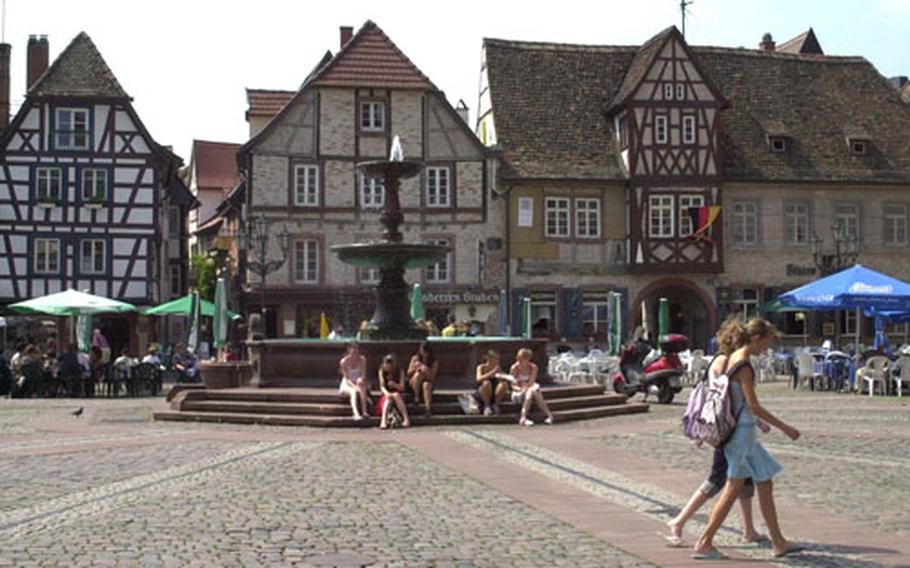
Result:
x=347 y=32
x=4 y=85
x=767 y=44
x=38 y=58
x=462 y=109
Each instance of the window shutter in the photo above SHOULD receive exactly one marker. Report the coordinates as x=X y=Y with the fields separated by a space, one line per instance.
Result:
x=571 y=313
x=518 y=295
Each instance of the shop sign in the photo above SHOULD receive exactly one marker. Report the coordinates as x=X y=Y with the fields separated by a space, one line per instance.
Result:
x=796 y=270
x=462 y=297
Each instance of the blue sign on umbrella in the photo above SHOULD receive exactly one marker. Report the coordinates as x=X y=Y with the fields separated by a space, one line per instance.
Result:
x=855 y=287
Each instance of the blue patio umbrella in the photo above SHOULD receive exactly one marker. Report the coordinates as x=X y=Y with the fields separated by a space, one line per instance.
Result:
x=854 y=288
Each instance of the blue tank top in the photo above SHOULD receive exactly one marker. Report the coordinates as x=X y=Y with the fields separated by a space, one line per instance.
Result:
x=738 y=404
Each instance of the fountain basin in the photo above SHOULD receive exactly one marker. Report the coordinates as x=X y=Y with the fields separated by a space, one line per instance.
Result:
x=314 y=362
x=396 y=170
x=390 y=255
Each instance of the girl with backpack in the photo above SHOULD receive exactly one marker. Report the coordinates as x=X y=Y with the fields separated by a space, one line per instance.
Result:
x=729 y=338
x=746 y=457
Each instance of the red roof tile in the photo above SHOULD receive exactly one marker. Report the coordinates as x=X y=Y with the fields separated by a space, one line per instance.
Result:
x=371 y=59
x=215 y=164
x=266 y=102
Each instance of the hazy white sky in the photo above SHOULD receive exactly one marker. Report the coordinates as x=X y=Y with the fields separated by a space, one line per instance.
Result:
x=186 y=63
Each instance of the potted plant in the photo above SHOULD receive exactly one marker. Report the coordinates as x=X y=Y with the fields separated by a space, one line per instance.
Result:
x=95 y=201
x=49 y=201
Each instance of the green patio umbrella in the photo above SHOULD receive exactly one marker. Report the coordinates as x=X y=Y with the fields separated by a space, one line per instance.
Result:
x=417 y=311
x=192 y=340
x=71 y=303
x=526 y=318
x=663 y=318
x=775 y=306
x=220 y=325
x=84 y=332
x=183 y=306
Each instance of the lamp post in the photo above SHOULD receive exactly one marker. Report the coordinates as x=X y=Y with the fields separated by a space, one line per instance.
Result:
x=846 y=249
x=254 y=240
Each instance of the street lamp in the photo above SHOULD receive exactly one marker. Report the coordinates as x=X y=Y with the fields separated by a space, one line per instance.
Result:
x=846 y=249
x=255 y=241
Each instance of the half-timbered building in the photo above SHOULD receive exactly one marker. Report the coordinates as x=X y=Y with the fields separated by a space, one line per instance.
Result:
x=88 y=200
x=301 y=172
x=617 y=158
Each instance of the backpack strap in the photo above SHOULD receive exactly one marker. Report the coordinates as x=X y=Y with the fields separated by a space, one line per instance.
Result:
x=739 y=365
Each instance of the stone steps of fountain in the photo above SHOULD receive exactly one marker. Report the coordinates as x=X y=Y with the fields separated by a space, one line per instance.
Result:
x=325 y=407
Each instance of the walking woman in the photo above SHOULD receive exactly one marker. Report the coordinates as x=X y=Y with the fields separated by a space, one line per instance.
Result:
x=391 y=383
x=729 y=338
x=746 y=457
x=422 y=372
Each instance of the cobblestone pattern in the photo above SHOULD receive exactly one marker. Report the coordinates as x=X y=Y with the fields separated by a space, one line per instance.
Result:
x=646 y=499
x=28 y=480
x=274 y=506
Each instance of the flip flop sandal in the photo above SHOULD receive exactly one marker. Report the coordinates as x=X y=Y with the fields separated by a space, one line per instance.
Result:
x=673 y=541
x=795 y=549
x=712 y=555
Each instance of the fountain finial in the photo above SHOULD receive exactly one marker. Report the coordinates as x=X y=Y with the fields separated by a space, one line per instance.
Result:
x=397 y=154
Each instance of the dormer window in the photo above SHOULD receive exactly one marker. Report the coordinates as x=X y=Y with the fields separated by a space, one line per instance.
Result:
x=680 y=91
x=71 y=129
x=858 y=147
x=668 y=91
x=778 y=144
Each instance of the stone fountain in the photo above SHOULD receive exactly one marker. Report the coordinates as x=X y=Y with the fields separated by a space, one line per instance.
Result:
x=391 y=256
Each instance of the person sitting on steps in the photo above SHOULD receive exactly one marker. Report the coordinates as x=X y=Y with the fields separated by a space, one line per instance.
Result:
x=353 y=367
x=526 y=391
x=422 y=372
x=490 y=390
x=391 y=383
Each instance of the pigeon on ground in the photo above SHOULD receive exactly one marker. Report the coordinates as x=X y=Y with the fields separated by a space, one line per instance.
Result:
x=78 y=412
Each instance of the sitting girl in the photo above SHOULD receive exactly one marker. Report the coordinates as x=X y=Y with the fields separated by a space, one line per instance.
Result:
x=422 y=372
x=526 y=391
x=353 y=380
x=490 y=389
x=391 y=383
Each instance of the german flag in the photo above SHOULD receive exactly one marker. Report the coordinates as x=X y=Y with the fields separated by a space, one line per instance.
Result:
x=702 y=219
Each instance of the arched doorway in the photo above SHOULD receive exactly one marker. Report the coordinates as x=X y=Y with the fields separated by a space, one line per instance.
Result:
x=692 y=313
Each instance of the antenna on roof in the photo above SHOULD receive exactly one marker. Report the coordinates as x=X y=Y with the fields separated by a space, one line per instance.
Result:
x=683 y=9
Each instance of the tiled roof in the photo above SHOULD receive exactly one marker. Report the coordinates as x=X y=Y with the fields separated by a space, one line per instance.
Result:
x=642 y=61
x=266 y=102
x=215 y=164
x=547 y=101
x=79 y=71
x=804 y=43
x=371 y=59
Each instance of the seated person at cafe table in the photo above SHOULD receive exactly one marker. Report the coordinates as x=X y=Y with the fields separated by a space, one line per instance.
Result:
x=185 y=362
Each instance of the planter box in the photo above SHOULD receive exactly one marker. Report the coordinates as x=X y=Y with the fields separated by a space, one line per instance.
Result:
x=217 y=375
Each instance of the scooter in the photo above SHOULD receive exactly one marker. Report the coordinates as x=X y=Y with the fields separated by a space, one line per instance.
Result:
x=651 y=371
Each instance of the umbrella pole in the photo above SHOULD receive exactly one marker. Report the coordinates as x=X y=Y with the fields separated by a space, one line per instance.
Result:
x=858 y=316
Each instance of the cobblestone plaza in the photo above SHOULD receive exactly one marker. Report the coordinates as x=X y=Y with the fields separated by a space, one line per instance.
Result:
x=113 y=488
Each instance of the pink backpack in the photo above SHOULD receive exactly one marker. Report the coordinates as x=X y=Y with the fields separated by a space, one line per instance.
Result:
x=709 y=418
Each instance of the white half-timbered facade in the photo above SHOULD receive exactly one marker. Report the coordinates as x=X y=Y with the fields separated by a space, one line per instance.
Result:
x=88 y=200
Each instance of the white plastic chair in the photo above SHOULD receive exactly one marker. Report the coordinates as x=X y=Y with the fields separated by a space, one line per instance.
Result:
x=805 y=369
x=875 y=372
x=903 y=375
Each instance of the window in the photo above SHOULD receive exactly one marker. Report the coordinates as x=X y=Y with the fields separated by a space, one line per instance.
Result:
x=595 y=318
x=372 y=192
x=543 y=314
x=587 y=218
x=895 y=224
x=847 y=216
x=441 y=271
x=174 y=222
x=858 y=147
x=745 y=223
x=92 y=256
x=47 y=256
x=668 y=91
x=372 y=116
x=525 y=211
x=306 y=186
x=306 y=261
x=795 y=323
x=680 y=91
x=687 y=202
x=778 y=144
x=745 y=301
x=557 y=214
x=49 y=184
x=176 y=280
x=847 y=321
x=688 y=130
x=438 y=187
x=660 y=129
x=660 y=216
x=369 y=275
x=622 y=131
x=796 y=220
x=71 y=131
x=94 y=185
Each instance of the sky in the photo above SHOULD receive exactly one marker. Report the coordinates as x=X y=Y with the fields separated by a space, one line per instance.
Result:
x=186 y=63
